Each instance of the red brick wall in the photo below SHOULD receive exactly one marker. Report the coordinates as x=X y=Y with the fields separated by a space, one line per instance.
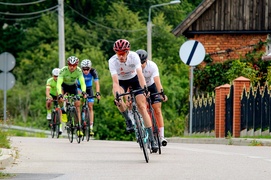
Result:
x=216 y=44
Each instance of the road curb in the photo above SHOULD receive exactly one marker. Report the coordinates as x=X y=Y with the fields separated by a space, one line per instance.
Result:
x=7 y=157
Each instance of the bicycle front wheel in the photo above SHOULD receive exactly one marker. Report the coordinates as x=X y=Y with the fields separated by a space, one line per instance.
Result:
x=141 y=137
x=52 y=125
x=87 y=129
x=70 y=128
x=57 y=123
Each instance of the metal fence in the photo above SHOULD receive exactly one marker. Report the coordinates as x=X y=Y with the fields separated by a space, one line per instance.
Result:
x=203 y=117
x=255 y=109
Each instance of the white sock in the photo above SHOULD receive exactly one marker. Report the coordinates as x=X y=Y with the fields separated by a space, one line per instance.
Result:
x=91 y=126
x=161 y=131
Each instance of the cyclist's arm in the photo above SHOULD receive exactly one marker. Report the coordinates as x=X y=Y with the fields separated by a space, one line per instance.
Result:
x=48 y=91
x=58 y=85
x=97 y=85
x=82 y=83
x=115 y=84
x=158 y=83
x=141 y=78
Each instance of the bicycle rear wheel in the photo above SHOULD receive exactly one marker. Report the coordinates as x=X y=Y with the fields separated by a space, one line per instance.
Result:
x=77 y=127
x=141 y=137
x=87 y=119
x=156 y=132
x=52 y=127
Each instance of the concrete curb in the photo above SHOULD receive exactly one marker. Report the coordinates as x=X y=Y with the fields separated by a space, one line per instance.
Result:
x=230 y=141
x=7 y=157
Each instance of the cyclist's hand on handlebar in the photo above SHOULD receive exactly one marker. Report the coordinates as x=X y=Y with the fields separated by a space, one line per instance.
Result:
x=60 y=97
x=98 y=95
x=164 y=98
x=49 y=98
x=146 y=92
x=84 y=94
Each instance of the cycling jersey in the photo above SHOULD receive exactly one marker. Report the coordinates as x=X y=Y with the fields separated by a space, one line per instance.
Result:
x=51 y=84
x=150 y=71
x=125 y=70
x=69 y=78
x=88 y=78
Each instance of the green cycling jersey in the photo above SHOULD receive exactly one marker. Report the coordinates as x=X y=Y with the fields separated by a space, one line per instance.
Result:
x=51 y=84
x=69 y=78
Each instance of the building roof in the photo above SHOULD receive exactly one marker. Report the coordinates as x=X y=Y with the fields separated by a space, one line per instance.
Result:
x=227 y=16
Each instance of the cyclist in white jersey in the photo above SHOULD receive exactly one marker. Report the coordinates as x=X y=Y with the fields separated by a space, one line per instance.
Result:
x=151 y=74
x=126 y=71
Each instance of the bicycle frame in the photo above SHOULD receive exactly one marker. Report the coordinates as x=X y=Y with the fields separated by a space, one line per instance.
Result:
x=141 y=134
x=55 y=120
x=155 y=128
x=73 y=123
x=86 y=117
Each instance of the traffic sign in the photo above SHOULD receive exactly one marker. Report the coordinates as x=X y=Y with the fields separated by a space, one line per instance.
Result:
x=7 y=80
x=7 y=61
x=192 y=52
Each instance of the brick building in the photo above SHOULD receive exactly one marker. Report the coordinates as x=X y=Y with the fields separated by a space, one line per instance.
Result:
x=229 y=29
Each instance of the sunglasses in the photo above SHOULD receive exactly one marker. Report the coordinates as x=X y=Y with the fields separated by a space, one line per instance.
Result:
x=86 y=69
x=121 y=53
x=72 y=65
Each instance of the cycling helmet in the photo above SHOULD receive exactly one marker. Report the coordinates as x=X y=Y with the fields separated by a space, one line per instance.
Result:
x=56 y=71
x=142 y=55
x=121 y=45
x=86 y=63
x=72 y=60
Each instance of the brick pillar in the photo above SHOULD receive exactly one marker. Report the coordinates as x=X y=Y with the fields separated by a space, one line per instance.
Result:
x=220 y=109
x=239 y=84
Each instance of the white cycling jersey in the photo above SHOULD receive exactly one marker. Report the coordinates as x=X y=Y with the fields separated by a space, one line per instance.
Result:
x=150 y=71
x=125 y=70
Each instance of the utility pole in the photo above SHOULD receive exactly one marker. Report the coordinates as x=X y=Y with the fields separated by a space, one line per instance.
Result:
x=61 y=34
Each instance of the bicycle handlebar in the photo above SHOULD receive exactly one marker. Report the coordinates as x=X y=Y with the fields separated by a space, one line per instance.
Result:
x=131 y=92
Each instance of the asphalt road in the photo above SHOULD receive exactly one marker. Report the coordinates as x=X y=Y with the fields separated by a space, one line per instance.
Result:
x=46 y=158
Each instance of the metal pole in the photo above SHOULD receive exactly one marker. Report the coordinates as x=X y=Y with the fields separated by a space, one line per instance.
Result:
x=191 y=99
x=149 y=26
x=5 y=90
x=61 y=34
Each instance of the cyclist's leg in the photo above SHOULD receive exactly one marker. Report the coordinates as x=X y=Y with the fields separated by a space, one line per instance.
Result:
x=141 y=103
x=123 y=86
x=48 y=108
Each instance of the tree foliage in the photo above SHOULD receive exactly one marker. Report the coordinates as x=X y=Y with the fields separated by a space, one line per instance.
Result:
x=91 y=27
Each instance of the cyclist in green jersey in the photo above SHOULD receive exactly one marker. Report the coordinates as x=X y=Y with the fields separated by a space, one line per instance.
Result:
x=66 y=83
x=51 y=92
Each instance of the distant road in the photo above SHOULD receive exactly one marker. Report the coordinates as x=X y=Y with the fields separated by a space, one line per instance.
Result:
x=47 y=158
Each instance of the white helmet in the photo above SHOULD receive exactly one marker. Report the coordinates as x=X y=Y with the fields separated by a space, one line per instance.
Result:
x=86 y=63
x=56 y=71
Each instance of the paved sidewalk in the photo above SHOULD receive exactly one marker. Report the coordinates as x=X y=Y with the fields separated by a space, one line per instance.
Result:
x=7 y=156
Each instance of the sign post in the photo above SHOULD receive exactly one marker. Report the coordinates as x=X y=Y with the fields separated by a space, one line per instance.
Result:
x=191 y=53
x=7 y=79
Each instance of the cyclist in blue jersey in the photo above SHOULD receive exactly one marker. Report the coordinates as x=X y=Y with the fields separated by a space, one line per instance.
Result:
x=90 y=74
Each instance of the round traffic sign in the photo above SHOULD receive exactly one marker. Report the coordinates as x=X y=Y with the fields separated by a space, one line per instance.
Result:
x=192 y=52
x=7 y=61
x=7 y=80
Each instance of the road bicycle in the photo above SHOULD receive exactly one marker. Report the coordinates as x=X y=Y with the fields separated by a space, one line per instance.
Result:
x=73 y=125
x=55 y=120
x=155 y=128
x=85 y=116
x=141 y=133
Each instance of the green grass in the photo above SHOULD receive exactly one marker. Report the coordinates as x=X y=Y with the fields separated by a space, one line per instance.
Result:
x=5 y=175
x=4 y=140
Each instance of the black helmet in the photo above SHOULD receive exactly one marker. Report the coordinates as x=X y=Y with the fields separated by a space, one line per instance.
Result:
x=142 y=55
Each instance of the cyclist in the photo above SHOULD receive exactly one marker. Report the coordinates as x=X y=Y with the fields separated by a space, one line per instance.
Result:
x=90 y=73
x=125 y=69
x=67 y=83
x=151 y=74
x=51 y=92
